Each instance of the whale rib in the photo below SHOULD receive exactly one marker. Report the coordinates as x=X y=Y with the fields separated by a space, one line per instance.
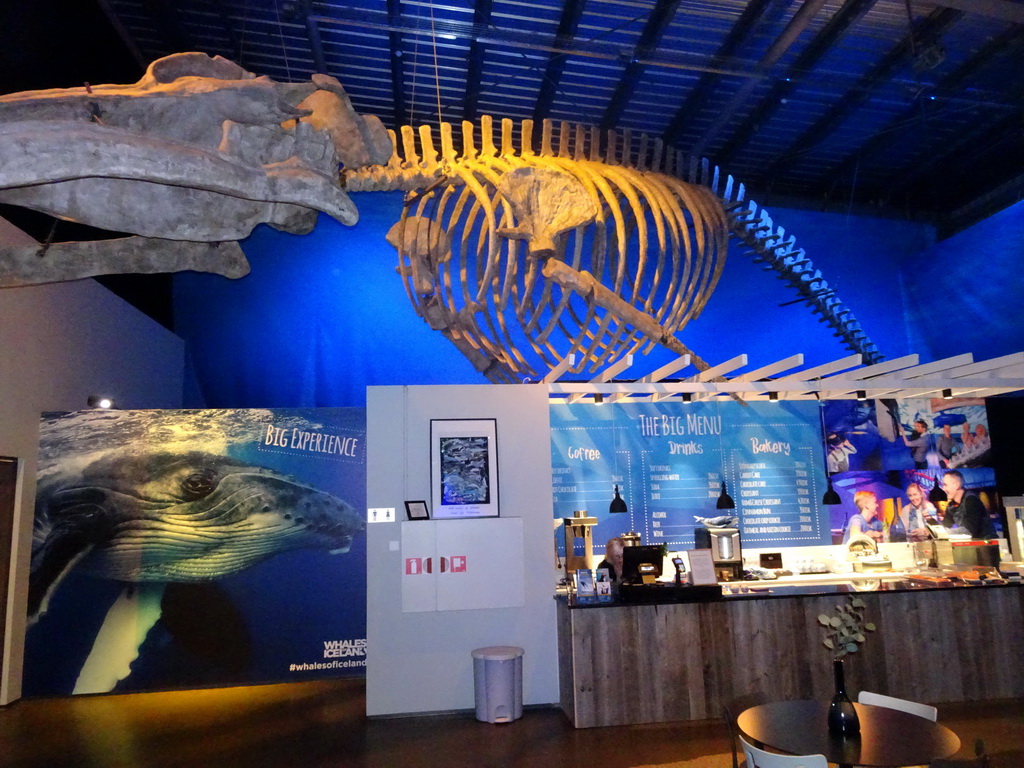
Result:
x=652 y=251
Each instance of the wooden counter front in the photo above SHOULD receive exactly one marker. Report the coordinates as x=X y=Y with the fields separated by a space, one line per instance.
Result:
x=624 y=664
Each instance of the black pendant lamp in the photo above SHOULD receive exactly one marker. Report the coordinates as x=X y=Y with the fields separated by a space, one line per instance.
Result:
x=725 y=500
x=831 y=497
x=618 y=505
x=936 y=494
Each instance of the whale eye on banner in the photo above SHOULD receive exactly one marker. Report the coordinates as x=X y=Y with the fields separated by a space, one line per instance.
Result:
x=197 y=548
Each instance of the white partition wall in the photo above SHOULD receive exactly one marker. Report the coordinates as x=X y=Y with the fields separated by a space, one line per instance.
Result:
x=420 y=660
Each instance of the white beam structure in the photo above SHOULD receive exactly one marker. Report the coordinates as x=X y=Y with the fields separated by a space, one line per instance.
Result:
x=842 y=379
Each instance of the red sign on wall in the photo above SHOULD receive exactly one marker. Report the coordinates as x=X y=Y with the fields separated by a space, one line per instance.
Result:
x=413 y=566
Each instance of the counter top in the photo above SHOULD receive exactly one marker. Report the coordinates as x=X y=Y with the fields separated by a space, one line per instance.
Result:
x=788 y=586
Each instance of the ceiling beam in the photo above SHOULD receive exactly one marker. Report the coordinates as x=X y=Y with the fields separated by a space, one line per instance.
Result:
x=1006 y=10
x=842 y=364
x=1007 y=366
x=983 y=206
x=122 y=32
x=877 y=369
x=796 y=26
x=740 y=34
x=608 y=374
x=519 y=40
x=237 y=45
x=316 y=45
x=567 y=24
x=924 y=33
x=770 y=370
x=962 y=151
x=851 y=12
x=475 y=61
x=980 y=386
x=650 y=38
x=917 y=113
x=657 y=375
x=935 y=367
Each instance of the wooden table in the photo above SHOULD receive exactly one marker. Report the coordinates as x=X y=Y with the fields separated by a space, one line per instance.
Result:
x=888 y=737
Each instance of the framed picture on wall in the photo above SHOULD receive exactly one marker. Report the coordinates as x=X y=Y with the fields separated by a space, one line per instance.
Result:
x=417 y=510
x=463 y=468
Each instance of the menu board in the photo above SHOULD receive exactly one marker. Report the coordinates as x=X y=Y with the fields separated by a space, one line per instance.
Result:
x=670 y=459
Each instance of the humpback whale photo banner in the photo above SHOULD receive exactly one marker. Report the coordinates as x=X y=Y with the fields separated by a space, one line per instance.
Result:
x=197 y=548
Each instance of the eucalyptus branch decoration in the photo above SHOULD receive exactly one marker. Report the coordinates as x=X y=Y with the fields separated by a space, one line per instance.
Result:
x=845 y=628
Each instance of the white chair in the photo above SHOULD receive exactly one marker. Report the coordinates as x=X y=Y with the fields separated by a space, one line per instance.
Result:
x=758 y=758
x=904 y=705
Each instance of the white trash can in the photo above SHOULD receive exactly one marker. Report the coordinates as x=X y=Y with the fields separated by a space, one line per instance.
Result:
x=498 y=679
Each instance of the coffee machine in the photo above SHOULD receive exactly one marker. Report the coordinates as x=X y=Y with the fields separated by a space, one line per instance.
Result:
x=724 y=544
x=579 y=526
x=630 y=539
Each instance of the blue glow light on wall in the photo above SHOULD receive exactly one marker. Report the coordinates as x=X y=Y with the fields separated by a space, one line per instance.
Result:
x=963 y=294
x=323 y=315
x=320 y=317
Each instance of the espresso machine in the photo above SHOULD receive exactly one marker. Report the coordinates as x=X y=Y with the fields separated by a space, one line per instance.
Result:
x=724 y=544
x=630 y=539
x=579 y=527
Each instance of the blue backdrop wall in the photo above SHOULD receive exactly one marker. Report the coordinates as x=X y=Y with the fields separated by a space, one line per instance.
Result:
x=963 y=294
x=321 y=316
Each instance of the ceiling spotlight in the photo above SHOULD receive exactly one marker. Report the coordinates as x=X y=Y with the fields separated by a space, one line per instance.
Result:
x=773 y=396
x=599 y=398
x=100 y=401
x=947 y=394
x=687 y=397
x=862 y=395
x=929 y=58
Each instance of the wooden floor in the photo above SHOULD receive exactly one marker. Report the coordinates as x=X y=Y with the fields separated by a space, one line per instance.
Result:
x=323 y=724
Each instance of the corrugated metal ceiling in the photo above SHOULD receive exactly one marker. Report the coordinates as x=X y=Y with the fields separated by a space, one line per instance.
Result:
x=903 y=106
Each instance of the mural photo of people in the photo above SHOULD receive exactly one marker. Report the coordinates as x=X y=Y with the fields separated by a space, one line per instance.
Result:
x=946 y=434
x=190 y=548
x=899 y=454
x=852 y=437
x=898 y=506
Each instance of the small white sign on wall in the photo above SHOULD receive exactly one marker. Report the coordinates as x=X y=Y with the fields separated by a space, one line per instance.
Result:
x=380 y=515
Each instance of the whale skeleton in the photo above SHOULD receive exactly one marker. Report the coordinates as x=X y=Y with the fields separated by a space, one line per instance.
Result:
x=188 y=160
x=534 y=261
x=625 y=241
